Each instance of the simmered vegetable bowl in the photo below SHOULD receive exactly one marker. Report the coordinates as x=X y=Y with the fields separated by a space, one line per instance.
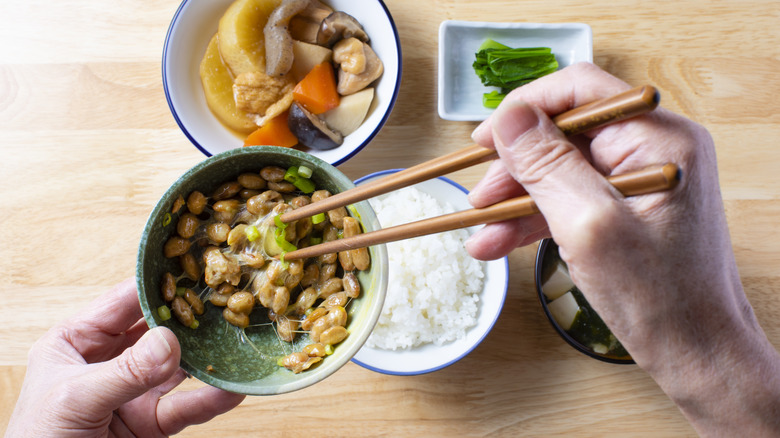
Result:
x=193 y=27
x=290 y=72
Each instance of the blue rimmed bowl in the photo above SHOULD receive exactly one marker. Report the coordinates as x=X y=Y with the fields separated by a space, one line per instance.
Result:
x=193 y=25
x=431 y=357
x=608 y=348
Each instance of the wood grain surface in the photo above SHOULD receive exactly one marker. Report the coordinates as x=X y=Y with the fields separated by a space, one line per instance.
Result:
x=87 y=145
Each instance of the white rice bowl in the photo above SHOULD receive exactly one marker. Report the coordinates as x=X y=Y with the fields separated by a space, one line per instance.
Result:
x=440 y=302
x=434 y=286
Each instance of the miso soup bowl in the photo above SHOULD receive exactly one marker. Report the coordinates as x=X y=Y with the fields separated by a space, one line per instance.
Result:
x=214 y=352
x=546 y=257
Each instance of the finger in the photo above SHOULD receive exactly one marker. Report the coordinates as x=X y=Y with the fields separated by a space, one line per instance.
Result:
x=97 y=346
x=497 y=185
x=134 y=333
x=113 y=312
x=658 y=137
x=181 y=409
x=573 y=86
x=145 y=365
x=499 y=239
x=139 y=415
x=128 y=339
x=100 y=332
x=563 y=184
x=175 y=380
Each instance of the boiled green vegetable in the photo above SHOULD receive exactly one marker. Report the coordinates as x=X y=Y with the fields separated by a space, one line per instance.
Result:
x=492 y=99
x=498 y=65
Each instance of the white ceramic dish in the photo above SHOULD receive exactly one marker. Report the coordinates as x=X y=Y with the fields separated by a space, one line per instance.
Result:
x=431 y=357
x=460 y=90
x=196 y=21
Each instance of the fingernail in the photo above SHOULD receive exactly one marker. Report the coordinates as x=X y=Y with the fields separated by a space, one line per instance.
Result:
x=513 y=120
x=475 y=195
x=470 y=197
x=157 y=346
x=482 y=133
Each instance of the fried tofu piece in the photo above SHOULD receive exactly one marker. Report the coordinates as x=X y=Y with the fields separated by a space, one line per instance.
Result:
x=261 y=95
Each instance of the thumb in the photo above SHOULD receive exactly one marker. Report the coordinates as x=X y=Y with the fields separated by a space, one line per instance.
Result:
x=562 y=182
x=148 y=363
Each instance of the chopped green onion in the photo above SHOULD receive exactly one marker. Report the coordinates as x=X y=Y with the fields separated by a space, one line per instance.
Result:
x=304 y=172
x=181 y=290
x=328 y=349
x=291 y=175
x=194 y=324
x=252 y=233
x=318 y=218
x=278 y=222
x=308 y=311
x=164 y=313
x=280 y=361
x=304 y=184
x=167 y=219
x=315 y=240
x=284 y=244
x=285 y=265
x=297 y=176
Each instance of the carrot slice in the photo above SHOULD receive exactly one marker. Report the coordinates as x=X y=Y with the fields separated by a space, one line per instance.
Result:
x=275 y=132
x=317 y=90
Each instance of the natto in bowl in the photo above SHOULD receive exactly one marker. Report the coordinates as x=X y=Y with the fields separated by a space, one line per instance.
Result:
x=214 y=351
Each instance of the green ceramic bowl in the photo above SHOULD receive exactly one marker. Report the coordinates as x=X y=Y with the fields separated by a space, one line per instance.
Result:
x=249 y=366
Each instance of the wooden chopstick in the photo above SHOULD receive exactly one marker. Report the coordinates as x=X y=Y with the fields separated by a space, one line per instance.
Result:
x=613 y=109
x=652 y=179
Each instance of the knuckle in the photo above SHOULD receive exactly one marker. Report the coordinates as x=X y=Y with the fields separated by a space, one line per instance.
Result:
x=49 y=342
x=543 y=157
x=597 y=225
x=132 y=370
x=585 y=68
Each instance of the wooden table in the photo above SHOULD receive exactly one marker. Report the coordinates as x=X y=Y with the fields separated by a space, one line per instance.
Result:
x=87 y=145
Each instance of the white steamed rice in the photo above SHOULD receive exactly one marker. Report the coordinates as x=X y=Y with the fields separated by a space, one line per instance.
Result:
x=434 y=285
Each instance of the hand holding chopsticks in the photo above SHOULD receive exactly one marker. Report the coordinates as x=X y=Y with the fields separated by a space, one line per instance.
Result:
x=653 y=179
x=625 y=105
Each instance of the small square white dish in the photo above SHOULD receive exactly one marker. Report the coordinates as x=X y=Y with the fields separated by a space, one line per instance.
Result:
x=460 y=90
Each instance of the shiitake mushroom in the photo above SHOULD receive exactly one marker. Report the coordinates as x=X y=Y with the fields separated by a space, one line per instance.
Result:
x=312 y=131
x=337 y=26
